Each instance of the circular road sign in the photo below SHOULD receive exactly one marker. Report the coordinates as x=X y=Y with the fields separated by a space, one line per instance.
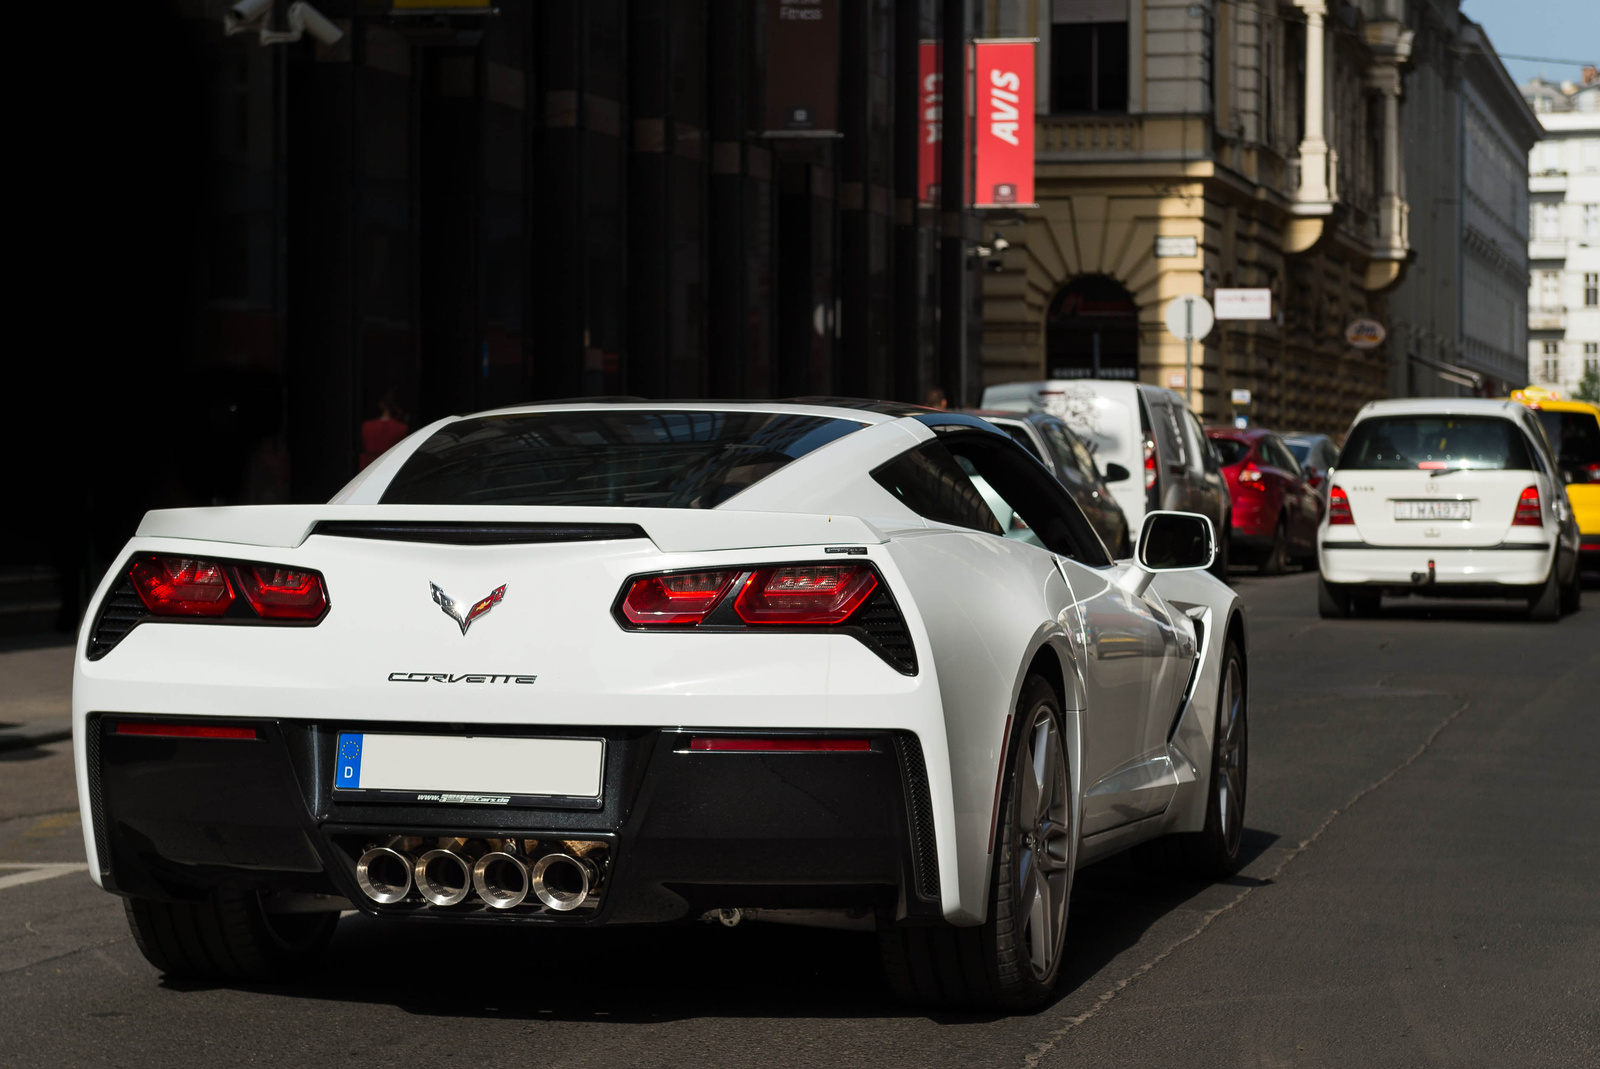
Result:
x=1190 y=317
x=1365 y=333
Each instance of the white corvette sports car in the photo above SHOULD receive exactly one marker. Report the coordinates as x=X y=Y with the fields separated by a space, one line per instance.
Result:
x=839 y=663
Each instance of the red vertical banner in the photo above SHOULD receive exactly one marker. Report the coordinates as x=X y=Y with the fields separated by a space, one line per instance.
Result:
x=1003 y=106
x=930 y=121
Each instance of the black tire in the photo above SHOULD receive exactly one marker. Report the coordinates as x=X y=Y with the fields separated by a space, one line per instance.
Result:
x=1333 y=600
x=1572 y=593
x=995 y=965
x=1545 y=604
x=228 y=937
x=1365 y=602
x=1276 y=561
x=1213 y=853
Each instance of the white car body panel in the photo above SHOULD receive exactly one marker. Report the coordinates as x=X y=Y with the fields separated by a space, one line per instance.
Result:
x=978 y=608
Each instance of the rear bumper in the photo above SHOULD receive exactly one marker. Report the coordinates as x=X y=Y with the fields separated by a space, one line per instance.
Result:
x=1348 y=560
x=1253 y=521
x=681 y=832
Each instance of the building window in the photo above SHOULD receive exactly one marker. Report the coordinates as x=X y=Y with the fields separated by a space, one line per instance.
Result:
x=1591 y=357
x=1591 y=155
x=1549 y=222
x=1591 y=220
x=1591 y=289
x=1089 y=56
x=1550 y=290
x=1552 y=361
x=1549 y=157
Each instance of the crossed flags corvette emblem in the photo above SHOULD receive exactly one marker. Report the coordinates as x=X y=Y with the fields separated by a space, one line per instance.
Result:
x=448 y=604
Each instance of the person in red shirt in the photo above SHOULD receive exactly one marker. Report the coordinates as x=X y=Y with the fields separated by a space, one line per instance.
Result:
x=378 y=435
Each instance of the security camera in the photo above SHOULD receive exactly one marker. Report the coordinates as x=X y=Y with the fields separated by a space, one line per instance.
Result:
x=999 y=245
x=242 y=15
x=303 y=16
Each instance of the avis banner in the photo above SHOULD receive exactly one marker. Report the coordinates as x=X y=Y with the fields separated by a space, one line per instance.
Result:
x=1003 y=106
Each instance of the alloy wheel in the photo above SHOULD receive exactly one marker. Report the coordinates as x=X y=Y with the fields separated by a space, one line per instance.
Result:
x=1231 y=768
x=1043 y=843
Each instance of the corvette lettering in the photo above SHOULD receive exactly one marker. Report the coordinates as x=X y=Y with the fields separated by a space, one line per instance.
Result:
x=464 y=677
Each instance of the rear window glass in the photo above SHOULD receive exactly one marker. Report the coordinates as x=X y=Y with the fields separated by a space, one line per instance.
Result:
x=625 y=458
x=1301 y=450
x=1436 y=443
x=1021 y=436
x=1575 y=436
x=1231 y=450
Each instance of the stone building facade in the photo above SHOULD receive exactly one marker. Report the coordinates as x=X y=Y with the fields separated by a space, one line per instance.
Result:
x=1267 y=132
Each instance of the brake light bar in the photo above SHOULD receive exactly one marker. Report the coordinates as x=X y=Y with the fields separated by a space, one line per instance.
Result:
x=747 y=744
x=1529 y=512
x=184 y=731
x=1339 y=508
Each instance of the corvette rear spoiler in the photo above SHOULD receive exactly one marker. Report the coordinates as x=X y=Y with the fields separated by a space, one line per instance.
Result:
x=672 y=530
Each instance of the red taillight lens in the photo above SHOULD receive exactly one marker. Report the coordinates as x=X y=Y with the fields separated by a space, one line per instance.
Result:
x=805 y=594
x=1251 y=476
x=185 y=731
x=1339 y=507
x=281 y=593
x=1529 y=512
x=770 y=745
x=1149 y=461
x=685 y=598
x=180 y=586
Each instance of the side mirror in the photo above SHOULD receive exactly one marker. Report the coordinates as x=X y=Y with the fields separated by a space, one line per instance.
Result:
x=1116 y=473
x=1170 y=542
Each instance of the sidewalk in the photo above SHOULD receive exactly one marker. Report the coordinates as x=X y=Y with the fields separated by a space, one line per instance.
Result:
x=35 y=696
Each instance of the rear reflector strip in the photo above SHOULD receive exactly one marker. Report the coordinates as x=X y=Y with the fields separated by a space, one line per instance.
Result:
x=749 y=745
x=184 y=731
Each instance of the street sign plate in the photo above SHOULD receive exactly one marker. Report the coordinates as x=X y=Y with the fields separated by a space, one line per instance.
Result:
x=1190 y=317
x=1240 y=397
x=1176 y=246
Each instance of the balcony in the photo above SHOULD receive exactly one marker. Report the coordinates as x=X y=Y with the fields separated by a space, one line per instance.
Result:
x=1547 y=249
x=1548 y=182
x=1547 y=319
x=1078 y=137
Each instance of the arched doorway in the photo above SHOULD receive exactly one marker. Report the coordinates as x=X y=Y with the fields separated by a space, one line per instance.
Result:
x=1092 y=331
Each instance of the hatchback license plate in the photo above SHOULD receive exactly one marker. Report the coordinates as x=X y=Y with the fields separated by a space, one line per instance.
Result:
x=469 y=769
x=1433 y=510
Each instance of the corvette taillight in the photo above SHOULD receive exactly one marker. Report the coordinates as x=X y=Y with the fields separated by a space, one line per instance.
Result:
x=282 y=593
x=1529 y=513
x=182 y=586
x=1339 y=507
x=675 y=600
x=805 y=595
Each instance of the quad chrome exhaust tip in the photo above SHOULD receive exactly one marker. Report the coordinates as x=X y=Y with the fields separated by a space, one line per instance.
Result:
x=501 y=880
x=384 y=875
x=561 y=881
x=443 y=878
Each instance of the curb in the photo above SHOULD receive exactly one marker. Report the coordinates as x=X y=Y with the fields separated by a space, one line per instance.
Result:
x=38 y=733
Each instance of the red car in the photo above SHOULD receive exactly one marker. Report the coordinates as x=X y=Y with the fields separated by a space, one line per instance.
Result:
x=1276 y=509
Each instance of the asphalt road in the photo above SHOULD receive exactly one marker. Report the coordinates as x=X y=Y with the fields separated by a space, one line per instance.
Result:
x=1424 y=842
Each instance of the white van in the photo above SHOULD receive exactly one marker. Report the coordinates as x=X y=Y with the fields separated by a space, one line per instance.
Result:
x=1146 y=430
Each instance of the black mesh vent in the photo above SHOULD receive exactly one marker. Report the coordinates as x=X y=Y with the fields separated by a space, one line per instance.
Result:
x=97 y=806
x=919 y=810
x=118 y=615
x=478 y=534
x=882 y=628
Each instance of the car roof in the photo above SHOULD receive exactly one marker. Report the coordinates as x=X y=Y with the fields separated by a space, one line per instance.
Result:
x=1564 y=406
x=1441 y=406
x=1241 y=433
x=860 y=411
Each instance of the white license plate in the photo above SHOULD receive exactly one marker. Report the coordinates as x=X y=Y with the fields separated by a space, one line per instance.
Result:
x=467 y=768
x=1433 y=510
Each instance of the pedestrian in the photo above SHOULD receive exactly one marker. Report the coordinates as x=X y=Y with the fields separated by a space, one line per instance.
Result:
x=935 y=398
x=379 y=435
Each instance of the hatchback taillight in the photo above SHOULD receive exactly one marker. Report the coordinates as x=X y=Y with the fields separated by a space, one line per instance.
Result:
x=805 y=595
x=182 y=586
x=675 y=600
x=1339 y=507
x=1529 y=512
x=1251 y=476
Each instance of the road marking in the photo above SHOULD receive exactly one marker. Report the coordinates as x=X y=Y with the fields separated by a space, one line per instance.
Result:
x=1043 y=1048
x=36 y=872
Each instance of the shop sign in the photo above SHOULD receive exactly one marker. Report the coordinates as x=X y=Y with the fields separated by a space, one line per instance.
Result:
x=1003 y=120
x=1243 y=303
x=802 y=70
x=1365 y=333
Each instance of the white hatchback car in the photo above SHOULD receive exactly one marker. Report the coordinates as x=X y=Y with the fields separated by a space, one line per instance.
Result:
x=1447 y=497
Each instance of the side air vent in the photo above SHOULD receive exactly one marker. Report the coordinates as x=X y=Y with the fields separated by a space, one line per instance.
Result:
x=880 y=625
x=119 y=613
x=478 y=534
x=919 y=811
